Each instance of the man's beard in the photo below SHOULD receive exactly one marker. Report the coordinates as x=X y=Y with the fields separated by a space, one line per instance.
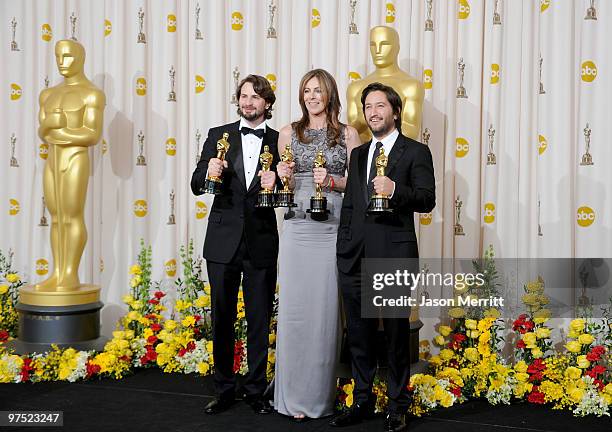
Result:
x=383 y=128
x=252 y=116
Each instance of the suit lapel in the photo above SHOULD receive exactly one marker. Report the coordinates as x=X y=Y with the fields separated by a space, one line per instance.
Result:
x=363 y=163
x=264 y=141
x=235 y=153
x=396 y=153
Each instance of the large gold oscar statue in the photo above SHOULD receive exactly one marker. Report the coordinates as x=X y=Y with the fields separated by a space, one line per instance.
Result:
x=384 y=48
x=61 y=309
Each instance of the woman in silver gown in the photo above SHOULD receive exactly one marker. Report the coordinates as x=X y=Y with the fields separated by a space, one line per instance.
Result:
x=308 y=332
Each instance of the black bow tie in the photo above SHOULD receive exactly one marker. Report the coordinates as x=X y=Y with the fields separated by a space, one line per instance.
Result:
x=259 y=133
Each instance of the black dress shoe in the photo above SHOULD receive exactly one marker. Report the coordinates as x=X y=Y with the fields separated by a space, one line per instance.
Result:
x=218 y=405
x=355 y=415
x=259 y=405
x=395 y=422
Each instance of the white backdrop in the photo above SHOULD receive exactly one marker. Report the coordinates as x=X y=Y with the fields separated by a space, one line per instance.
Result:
x=537 y=186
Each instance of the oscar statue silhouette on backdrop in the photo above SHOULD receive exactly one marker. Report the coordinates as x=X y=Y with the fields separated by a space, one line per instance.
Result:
x=61 y=309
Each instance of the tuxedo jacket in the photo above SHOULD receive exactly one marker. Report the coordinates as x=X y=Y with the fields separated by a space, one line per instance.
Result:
x=233 y=213
x=392 y=235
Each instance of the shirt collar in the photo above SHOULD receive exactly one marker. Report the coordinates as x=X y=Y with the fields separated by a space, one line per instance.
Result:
x=387 y=141
x=243 y=123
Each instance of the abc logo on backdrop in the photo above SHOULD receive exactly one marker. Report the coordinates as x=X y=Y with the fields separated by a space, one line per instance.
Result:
x=272 y=80
x=542 y=144
x=462 y=147
x=390 y=13
x=170 y=267
x=141 y=86
x=588 y=71
x=171 y=147
x=464 y=9
x=201 y=210
x=16 y=91
x=42 y=267
x=171 y=23
x=200 y=84
x=494 y=73
x=425 y=218
x=353 y=76
x=315 y=18
x=43 y=150
x=46 y=33
x=140 y=208
x=489 y=212
x=14 y=207
x=427 y=78
x=237 y=21
x=108 y=27
x=585 y=216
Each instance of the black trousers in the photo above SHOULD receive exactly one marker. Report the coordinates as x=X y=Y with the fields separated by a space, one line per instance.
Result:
x=362 y=334
x=258 y=286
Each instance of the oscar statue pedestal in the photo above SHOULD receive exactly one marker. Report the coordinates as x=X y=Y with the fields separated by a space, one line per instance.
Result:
x=68 y=319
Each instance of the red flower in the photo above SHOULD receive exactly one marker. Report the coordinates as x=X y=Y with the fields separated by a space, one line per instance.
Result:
x=152 y=339
x=153 y=301
x=521 y=344
x=600 y=385
x=92 y=369
x=538 y=376
x=197 y=318
x=537 y=366
x=3 y=335
x=155 y=327
x=598 y=349
x=596 y=353
x=459 y=337
x=159 y=295
x=536 y=396
x=529 y=325
x=598 y=370
x=456 y=391
x=26 y=369
x=151 y=316
x=238 y=353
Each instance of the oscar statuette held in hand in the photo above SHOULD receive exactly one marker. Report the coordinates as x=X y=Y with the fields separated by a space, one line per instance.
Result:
x=285 y=197
x=318 y=202
x=379 y=203
x=213 y=183
x=265 y=197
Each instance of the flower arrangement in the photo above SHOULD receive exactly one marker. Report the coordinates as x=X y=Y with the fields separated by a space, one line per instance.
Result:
x=10 y=281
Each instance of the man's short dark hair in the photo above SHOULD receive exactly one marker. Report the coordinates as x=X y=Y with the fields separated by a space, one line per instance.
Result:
x=392 y=96
x=262 y=87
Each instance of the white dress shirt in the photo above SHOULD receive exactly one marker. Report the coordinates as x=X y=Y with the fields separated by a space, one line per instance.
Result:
x=387 y=144
x=251 y=149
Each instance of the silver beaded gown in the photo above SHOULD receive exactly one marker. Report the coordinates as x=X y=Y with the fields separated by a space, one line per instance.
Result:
x=308 y=331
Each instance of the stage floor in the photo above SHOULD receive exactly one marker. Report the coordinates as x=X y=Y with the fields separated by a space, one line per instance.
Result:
x=153 y=401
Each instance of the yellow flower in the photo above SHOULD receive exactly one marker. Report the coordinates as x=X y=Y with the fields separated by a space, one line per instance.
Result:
x=543 y=333
x=522 y=377
x=446 y=400
x=203 y=368
x=439 y=340
x=608 y=389
x=536 y=352
x=136 y=280
x=607 y=398
x=573 y=346
x=577 y=325
x=575 y=394
x=3 y=289
x=471 y=354
x=435 y=360
x=188 y=321
x=542 y=314
x=209 y=347
x=181 y=305
x=530 y=299
x=456 y=312
x=446 y=354
x=271 y=338
x=586 y=339
x=485 y=337
x=147 y=333
x=530 y=340
x=136 y=305
x=12 y=278
x=573 y=373
x=521 y=367
x=540 y=320
x=271 y=356
x=127 y=299
x=169 y=325
x=473 y=334
x=202 y=302
x=133 y=316
x=129 y=334
x=444 y=330
x=582 y=361
x=135 y=269
x=471 y=324
x=492 y=313
x=118 y=334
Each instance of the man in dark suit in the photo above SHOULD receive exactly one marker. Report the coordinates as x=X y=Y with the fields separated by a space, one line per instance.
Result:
x=241 y=242
x=409 y=181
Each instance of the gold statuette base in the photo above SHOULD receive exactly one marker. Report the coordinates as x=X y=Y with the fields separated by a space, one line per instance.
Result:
x=84 y=294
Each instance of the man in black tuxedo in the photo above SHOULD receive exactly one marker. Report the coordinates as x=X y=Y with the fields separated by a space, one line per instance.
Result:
x=241 y=242
x=410 y=183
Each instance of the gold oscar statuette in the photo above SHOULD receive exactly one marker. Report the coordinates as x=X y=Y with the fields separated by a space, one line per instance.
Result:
x=285 y=197
x=265 y=198
x=458 y=227
x=318 y=202
x=212 y=185
x=379 y=203
x=61 y=310
x=384 y=51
